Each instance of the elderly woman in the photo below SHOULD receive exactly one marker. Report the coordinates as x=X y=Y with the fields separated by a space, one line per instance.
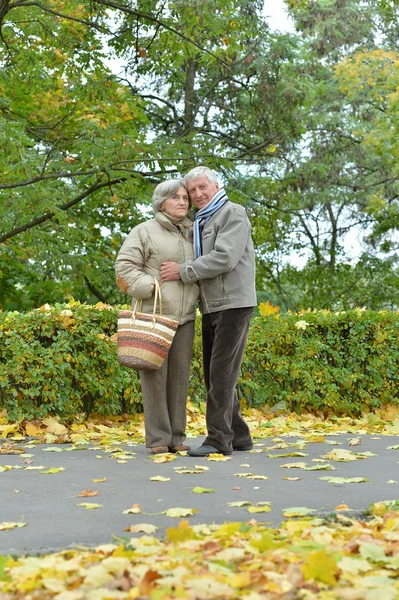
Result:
x=167 y=237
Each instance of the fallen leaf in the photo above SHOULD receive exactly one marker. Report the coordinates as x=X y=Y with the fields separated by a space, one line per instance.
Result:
x=142 y=528
x=6 y=525
x=181 y=533
x=51 y=471
x=87 y=493
x=354 y=442
x=159 y=478
x=134 y=510
x=201 y=490
x=340 y=480
x=89 y=506
x=99 y=480
x=259 y=509
x=240 y=503
x=218 y=457
x=179 y=512
x=292 y=478
x=321 y=567
x=298 y=511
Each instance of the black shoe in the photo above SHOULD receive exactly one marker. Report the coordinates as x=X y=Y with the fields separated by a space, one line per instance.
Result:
x=206 y=450
x=243 y=448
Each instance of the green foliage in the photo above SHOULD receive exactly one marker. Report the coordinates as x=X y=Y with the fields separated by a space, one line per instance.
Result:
x=343 y=362
x=62 y=361
x=59 y=360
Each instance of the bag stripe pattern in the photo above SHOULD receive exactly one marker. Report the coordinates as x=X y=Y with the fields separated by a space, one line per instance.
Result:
x=144 y=339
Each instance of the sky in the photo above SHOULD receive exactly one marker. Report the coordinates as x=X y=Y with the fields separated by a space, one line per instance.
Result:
x=277 y=16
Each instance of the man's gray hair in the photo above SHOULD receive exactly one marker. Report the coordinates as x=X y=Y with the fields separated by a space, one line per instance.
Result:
x=166 y=190
x=198 y=172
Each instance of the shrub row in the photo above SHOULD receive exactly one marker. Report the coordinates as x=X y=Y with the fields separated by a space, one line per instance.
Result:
x=62 y=360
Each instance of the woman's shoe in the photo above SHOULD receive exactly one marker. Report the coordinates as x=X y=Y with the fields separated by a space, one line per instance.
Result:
x=159 y=449
x=181 y=448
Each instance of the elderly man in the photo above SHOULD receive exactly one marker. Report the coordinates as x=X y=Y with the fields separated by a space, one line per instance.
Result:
x=225 y=269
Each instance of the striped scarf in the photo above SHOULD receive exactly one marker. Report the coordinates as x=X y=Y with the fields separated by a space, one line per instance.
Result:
x=203 y=215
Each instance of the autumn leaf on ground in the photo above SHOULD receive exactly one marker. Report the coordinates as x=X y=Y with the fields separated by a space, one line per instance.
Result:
x=288 y=455
x=99 y=480
x=340 y=480
x=54 y=426
x=187 y=471
x=142 y=528
x=52 y=471
x=6 y=525
x=87 y=493
x=218 y=457
x=354 y=442
x=134 y=510
x=159 y=478
x=179 y=512
x=181 y=533
x=89 y=506
x=31 y=430
x=259 y=508
x=321 y=567
x=202 y=490
x=292 y=478
x=240 y=503
x=294 y=465
x=342 y=455
x=298 y=511
x=321 y=467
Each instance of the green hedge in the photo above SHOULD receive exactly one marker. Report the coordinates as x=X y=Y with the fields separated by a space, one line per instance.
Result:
x=61 y=360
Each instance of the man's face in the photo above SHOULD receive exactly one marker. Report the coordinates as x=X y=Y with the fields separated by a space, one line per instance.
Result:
x=201 y=191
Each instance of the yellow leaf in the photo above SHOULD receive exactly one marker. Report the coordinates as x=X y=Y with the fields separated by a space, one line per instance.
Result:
x=99 y=480
x=159 y=478
x=321 y=566
x=201 y=490
x=218 y=457
x=259 y=509
x=266 y=309
x=5 y=525
x=181 y=533
x=89 y=506
x=179 y=512
x=31 y=430
x=240 y=580
x=53 y=426
x=52 y=471
x=142 y=528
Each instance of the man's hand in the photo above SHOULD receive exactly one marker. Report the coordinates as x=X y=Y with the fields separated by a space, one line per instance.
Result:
x=170 y=271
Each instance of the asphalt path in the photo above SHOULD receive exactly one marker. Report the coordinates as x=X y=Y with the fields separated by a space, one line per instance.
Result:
x=48 y=502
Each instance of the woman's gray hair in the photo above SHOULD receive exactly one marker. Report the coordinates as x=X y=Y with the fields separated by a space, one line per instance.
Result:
x=166 y=190
x=198 y=172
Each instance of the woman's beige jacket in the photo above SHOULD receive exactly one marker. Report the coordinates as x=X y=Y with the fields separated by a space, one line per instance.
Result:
x=139 y=262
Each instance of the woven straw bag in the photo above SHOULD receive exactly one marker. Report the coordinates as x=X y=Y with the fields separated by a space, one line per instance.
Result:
x=144 y=339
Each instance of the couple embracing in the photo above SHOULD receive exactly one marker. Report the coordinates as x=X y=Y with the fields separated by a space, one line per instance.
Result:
x=213 y=259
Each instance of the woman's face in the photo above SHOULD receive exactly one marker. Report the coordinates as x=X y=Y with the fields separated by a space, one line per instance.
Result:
x=177 y=205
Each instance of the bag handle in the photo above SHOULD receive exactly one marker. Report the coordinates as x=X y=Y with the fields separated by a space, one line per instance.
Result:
x=157 y=297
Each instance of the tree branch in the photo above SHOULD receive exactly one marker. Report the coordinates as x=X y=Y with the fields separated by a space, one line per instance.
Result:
x=153 y=19
x=19 y=3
